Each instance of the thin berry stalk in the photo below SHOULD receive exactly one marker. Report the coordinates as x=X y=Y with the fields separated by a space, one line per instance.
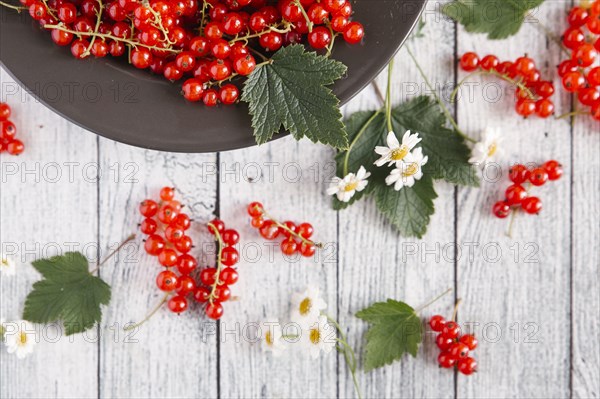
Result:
x=217 y=282
x=292 y=232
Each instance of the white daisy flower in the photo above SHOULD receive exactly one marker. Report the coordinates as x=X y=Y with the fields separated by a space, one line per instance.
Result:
x=306 y=307
x=19 y=337
x=396 y=152
x=7 y=265
x=488 y=149
x=272 y=337
x=320 y=337
x=348 y=186
x=408 y=171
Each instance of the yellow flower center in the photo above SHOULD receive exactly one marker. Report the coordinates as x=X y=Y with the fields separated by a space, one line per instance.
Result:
x=22 y=338
x=3 y=262
x=351 y=186
x=315 y=336
x=269 y=338
x=399 y=153
x=492 y=149
x=412 y=169
x=305 y=306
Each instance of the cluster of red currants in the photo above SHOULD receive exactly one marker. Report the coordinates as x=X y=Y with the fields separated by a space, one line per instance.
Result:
x=532 y=95
x=454 y=346
x=8 y=131
x=517 y=195
x=206 y=41
x=296 y=239
x=218 y=280
x=165 y=226
x=580 y=73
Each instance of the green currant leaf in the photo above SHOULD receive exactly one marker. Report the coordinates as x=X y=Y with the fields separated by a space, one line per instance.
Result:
x=68 y=292
x=410 y=209
x=447 y=151
x=395 y=330
x=498 y=18
x=292 y=92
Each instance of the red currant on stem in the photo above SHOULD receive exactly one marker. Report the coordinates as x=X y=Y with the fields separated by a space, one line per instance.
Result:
x=178 y=304
x=166 y=281
x=469 y=340
x=443 y=342
x=214 y=310
x=469 y=62
x=538 y=177
x=437 y=322
x=467 y=366
x=518 y=174
x=554 y=169
x=446 y=360
x=501 y=209
x=515 y=194
x=532 y=205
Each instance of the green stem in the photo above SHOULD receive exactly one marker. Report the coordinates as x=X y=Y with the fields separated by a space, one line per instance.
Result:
x=349 y=355
x=388 y=96
x=98 y=20
x=511 y=224
x=378 y=92
x=570 y=114
x=437 y=98
x=130 y=238
x=17 y=8
x=309 y=23
x=358 y=135
x=287 y=28
x=437 y=298
x=149 y=316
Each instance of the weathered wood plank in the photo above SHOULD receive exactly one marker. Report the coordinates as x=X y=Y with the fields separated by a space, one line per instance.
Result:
x=517 y=289
x=48 y=206
x=377 y=264
x=170 y=356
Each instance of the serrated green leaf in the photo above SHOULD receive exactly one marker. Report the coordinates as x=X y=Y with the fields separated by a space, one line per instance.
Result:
x=395 y=330
x=447 y=151
x=68 y=293
x=498 y=18
x=410 y=209
x=292 y=92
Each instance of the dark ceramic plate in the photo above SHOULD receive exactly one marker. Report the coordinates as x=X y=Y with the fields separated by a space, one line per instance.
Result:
x=117 y=101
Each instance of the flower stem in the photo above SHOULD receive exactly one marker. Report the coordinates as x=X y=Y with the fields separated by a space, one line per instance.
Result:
x=438 y=99
x=128 y=239
x=149 y=316
x=378 y=92
x=17 y=8
x=437 y=298
x=388 y=96
x=349 y=355
x=358 y=135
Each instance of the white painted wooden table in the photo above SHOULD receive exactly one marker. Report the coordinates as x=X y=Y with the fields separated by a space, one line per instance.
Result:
x=533 y=300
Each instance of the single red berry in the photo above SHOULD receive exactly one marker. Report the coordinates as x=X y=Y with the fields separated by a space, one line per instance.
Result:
x=166 y=214
x=15 y=147
x=166 y=281
x=305 y=230
x=199 y=46
x=37 y=10
x=219 y=69
x=524 y=66
x=577 y=16
x=467 y=366
x=167 y=193
x=79 y=47
x=184 y=245
x=333 y=6
x=186 y=264
x=289 y=246
x=228 y=276
x=573 y=38
x=229 y=256
x=515 y=194
x=232 y=23
x=501 y=209
x=178 y=304
x=185 y=285
x=444 y=342
x=525 y=107
x=67 y=12
x=173 y=234
x=593 y=77
x=229 y=94
x=307 y=249
x=585 y=55
x=8 y=130
x=469 y=340
x=446 y=360
x=214 y=310
x=354 y=32
x=154 y=244
x=318 y=14
x=437 y=322
x=257 y=22
x=148 y=208
x=213 y=31
x=255 y=209
x=141 y=58
x=320 y=37
x=220 y=48
x=538 y=177
x=269 y=230
x=554 y=169
x=230 y=237
x=459 y=350
x=4 y=111
x=532 y=205
x=290 y=11
x=101 y=49
x=518 y=174
x=573 y=81
x=544 y=89
x=167 y=257
x=469 y=62
x=208 y=276
x=544 y=108
x=271 y=41
x=148 y=226
x=339 y=23
x=181 y=221
x=202 y=294
x=489 y=63
x=210 y=98
x=451 y=329
x=244 y=65
x=566 y=67
x=218 y=224
x=222 y=293
x=192 y=89
x=290 y=228
x=588 y=96
x=257 y=222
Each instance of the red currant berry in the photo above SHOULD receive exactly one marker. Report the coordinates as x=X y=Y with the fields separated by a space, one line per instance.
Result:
x=257 y=22
x=210 y=98
x=588 y=96
x=333 y=5
x=318 y=14
x=229 y=256
x=184 y=245
x=15 y=147
x=305 y=230
x=192 y=89
x=232 y=24
x=37 y=10
x=446 y=360
x=467 y=366
x=518 y=174
x=443 y=342
x=289 y=246
x=79 y=47
x=244 y=65
x=100 y=48
x=538 y=177
x=230 y=237
x=185 y=285
x=339 y=23
x=4 y=112
x=202 y=294
x=214 y=310
x=459 y=350
x=291 y=226
x=181 y=221
x=271 y=41
x=218 y=224
x=154 y=244
x=532 y=205
x=219 y=70
x=451 y=329
x=354 y=32
x=167 y=257
x=208 y=276
x=269 y=230
x=67 y=12
x=544 y=89
x=173 y=234
x=437 y=323
x=525 y=107
x=566 y=67
x=573 y=38
x=257 y=222
x=573 y=81
x=577 y=16
x=178 y=304
x=222 y=293
x=544 y=108
x=319 y=38
x=199 y=46
x=166 y=214
x=307 y=249
x=593 y=77
x=255 y=209
x=501 y=209
x=524 y=66
x=489 y=63
x=148 y=226
x=469 y=340
x=554 y=169
x=290 y=11
x=585 y=55
x=166 y=281
x=8 y=130
x=186 y=264
x=228 y=276
x=220 y=49
x=167 y=193
x=141 y=58
x=229 y=94
x=469 y=62
x=515 y=194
